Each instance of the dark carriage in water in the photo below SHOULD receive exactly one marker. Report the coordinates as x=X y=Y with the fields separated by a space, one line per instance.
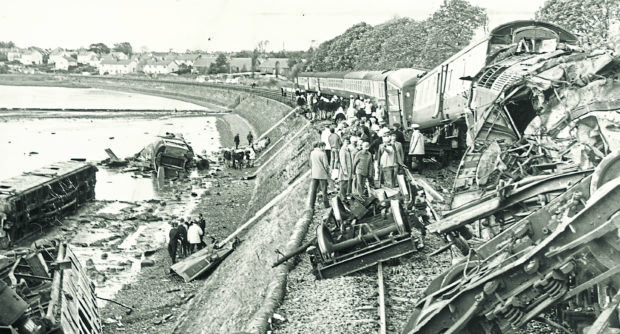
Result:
x=31 y=200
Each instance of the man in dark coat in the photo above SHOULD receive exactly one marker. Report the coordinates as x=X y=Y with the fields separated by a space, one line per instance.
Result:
x=236 y=140
x=250 y=138
x=173 y=242
x=182 y=236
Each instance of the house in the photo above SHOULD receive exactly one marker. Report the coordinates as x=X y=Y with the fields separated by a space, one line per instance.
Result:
x=14 y=54
x=240 y=65
x=156 y=66
x=113 y=66
x=202 y=63
x=56 y=55
x=88 y=58
x=187 y=59
x=119 y=55
x=31 y=57
x=275 y=66
x=64 y=63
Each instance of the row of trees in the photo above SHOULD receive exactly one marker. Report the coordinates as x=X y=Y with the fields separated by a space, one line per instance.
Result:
x=102 y=49
x=404 y=42
x=401 y=42
x=595 y=22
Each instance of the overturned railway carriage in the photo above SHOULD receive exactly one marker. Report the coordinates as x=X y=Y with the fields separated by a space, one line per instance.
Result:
x=36 y=198
x=540 y=183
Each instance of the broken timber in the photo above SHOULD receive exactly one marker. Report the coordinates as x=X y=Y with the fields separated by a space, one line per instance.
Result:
x=53 y=294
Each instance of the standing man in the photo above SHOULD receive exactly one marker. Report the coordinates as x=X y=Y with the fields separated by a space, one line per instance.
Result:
x=400 y=155
x=320 y=173
x=194 y=236
x=363 y=167
x=387 y=162
x=182 y=236
x=250 y=138
x=173 y=242
x=346 y=168
x=334 y=143
x=416 y=148
x=325 y=139
x=236 y=140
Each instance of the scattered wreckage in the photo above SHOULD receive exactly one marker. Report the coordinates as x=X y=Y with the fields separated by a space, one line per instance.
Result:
x=362 y=232
x=203 y=261
x=169 y=154
x=42 y=196
x=535 y=200
x=45 y=290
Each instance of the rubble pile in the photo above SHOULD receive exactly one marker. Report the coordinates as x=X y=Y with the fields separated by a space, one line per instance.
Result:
x=44 y=289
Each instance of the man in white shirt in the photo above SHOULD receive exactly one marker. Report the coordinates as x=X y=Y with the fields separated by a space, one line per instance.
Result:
x=194 y=236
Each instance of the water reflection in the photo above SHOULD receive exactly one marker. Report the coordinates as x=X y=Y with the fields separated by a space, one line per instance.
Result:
x=27 y=144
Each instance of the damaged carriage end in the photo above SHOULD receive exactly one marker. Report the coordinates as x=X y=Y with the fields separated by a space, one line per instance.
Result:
x=540 y=182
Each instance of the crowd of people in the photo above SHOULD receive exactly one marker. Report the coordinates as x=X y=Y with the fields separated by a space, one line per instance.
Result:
x=317 y=107
x=186 y=237
x=361 y=151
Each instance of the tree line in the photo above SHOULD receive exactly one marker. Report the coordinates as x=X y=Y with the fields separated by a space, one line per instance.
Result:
x=408 y=43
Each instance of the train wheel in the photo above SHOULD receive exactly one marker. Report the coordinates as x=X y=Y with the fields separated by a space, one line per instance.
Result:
x=325 y=242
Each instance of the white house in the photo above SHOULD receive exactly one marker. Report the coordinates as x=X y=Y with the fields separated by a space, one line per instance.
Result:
x=31 y=57
x=64 y=63
x=56 y=55
x=109 y=65
x=14 y=54
x=119 y=55
x=154 y=66
x=88 y=58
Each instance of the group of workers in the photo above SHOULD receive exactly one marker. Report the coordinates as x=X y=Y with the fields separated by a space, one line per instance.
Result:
x=186 y=237
x=360 y=153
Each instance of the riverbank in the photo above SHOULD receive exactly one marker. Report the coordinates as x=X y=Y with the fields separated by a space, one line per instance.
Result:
x=232 y=298
x=228 y=300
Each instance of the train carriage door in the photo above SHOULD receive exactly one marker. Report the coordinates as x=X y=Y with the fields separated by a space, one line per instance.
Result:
x=442 y=78
x=393 y=104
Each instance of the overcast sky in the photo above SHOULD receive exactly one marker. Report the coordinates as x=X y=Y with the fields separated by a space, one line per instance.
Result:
x=223 y=25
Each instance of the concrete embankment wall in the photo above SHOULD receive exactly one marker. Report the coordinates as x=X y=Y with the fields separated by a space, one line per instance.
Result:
x=241 y=293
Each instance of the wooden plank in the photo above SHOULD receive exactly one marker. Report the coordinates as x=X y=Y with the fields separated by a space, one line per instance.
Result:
x=382 y=321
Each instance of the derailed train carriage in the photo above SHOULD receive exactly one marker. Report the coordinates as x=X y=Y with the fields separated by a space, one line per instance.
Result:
x=34 y=199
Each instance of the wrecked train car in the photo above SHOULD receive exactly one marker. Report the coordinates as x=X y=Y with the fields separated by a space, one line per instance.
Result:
x=36 y=198
x=45 y=290
x=539 y=182
x=563 y=256
x=541 y=115
x=172 y=153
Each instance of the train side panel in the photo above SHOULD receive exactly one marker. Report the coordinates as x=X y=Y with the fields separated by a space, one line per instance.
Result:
x=440 y=94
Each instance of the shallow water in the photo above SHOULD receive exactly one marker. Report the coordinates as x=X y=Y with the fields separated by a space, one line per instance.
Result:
x=85 y=98
x=27 y=143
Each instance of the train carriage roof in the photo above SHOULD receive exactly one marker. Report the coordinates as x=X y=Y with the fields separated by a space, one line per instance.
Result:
x=361 y=74
x=323 y=74
x=510 y=27
x=404 y=77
